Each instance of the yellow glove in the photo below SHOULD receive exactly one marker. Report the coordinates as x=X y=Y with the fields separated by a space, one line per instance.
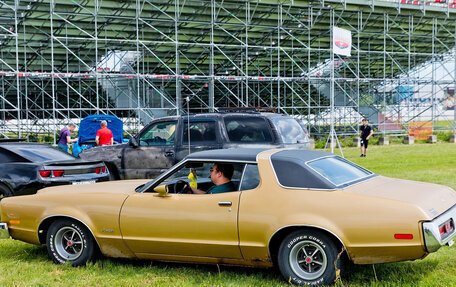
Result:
x=192 y=176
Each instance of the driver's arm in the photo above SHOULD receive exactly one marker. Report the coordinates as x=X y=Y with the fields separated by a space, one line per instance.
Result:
x=197 y=191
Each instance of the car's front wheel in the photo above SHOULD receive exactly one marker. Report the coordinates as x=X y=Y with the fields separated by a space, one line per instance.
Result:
x=70 y=241
x=308 y=258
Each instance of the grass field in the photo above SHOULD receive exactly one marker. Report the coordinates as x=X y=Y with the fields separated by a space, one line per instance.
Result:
x=23 y=264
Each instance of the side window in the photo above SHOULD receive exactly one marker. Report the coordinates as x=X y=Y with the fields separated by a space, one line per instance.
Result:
x=290 y=130
x=158 y=134
x=248 y=129
x=201 y=173
x=251 y=177
x=201 y=132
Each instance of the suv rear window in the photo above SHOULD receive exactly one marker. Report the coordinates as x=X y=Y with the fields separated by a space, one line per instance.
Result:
x=248 y=129
x=290 y=130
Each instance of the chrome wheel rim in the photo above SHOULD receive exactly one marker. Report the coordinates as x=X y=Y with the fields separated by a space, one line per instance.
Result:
x=308 y=260
x=68 y=243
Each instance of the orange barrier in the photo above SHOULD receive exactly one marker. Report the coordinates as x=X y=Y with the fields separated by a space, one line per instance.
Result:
x=420 y=130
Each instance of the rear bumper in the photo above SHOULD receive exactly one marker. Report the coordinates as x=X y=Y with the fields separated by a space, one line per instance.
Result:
x=4 y=233
x=69 y=179
x=432 y=239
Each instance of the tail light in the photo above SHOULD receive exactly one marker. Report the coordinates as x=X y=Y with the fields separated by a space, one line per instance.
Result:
x=45 y=173
x=99 y=170
x=57 y=173
x=51 y=173
x=446 y=228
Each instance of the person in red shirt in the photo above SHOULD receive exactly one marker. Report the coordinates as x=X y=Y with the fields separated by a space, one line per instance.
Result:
x=104 y=135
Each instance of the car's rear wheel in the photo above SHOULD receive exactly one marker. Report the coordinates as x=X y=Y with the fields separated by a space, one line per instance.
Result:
x=70 y=241
x=4 y=191
x=308 y=258
x=113 y=172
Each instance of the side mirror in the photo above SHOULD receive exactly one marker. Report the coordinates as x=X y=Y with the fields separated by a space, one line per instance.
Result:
x=133 y=143
x=162 y=190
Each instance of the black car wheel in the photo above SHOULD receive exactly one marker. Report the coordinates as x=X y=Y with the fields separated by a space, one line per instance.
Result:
x=4 y=191
x=70 y=241
x=308 y=258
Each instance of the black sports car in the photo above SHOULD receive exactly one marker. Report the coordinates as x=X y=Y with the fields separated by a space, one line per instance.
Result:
x=26 y=167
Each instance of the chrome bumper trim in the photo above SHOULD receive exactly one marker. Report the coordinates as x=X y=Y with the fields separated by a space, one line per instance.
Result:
x=4 y=233
x=432 y=239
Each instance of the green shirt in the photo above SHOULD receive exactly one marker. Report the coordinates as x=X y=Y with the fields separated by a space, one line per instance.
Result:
x=226 y=187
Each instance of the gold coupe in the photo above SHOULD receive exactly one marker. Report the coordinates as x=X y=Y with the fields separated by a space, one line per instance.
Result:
x=308 y=212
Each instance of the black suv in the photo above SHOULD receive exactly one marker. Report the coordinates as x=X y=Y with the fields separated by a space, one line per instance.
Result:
x=165 y=141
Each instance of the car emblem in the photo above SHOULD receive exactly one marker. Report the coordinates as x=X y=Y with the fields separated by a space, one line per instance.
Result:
x=433 y=211
x=341 y=44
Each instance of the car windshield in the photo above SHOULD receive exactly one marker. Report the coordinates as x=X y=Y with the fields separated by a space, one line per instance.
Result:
x=290 y=131
x=41 y=153
x=338 y=171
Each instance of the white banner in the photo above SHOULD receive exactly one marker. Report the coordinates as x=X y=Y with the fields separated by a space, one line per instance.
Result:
x=342 y=41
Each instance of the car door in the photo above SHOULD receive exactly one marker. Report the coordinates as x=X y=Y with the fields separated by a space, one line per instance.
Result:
x=155 y=151
x=181 y=225
x=198 y=134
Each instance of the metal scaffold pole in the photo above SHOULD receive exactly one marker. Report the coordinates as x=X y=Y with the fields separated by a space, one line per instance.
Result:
x=332 y=138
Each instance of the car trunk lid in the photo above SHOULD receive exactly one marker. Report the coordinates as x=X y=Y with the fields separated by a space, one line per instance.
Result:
x=433 y=199
x=71 y=162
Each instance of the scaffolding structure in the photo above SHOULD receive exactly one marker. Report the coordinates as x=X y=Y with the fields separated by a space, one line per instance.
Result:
x=62 y=60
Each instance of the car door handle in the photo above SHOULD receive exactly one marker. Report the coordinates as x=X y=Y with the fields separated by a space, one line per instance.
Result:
x=225 y=203
x=169 y=153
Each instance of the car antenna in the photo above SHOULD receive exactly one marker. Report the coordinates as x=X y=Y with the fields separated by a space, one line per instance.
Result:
x=188 y=122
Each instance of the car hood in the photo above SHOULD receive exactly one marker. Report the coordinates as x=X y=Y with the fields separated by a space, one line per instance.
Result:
x=105 y=147
x=104 y=153
x=433 y=199
x=109 y=187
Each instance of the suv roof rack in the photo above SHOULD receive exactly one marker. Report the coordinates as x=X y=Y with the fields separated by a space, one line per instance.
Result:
x=247 y=110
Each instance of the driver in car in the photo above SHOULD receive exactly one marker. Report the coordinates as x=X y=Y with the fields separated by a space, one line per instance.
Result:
x=221 y=174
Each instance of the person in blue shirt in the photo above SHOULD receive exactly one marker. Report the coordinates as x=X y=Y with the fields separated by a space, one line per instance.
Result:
x=221 y=174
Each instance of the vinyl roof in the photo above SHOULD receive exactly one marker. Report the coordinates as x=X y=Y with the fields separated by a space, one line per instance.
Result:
x=250 y=154
x=241 y=154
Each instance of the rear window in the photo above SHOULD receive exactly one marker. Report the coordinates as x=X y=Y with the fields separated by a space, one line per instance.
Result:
x=7 y=157
x=290 y=130
x=315 y=170
x=338 y=171
x=40 y=153
x=248 y=130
